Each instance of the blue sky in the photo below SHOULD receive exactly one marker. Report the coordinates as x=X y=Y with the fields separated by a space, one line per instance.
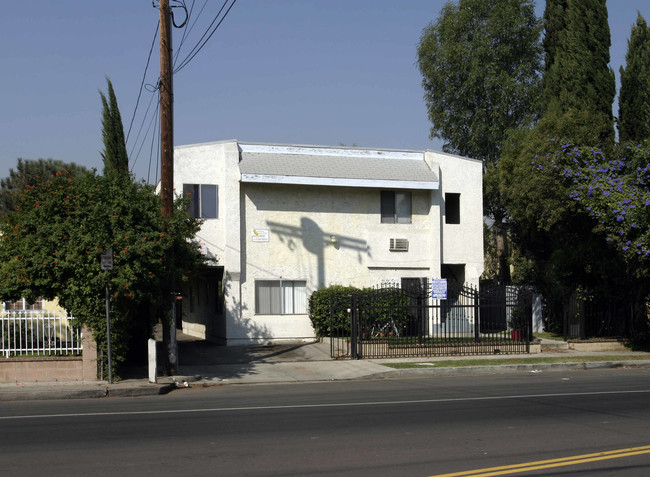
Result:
x=320 y=72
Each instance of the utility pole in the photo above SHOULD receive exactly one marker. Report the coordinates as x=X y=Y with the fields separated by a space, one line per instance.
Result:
x=167 y=169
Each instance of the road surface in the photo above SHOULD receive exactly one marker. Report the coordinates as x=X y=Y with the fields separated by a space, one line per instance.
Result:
x=559 y=423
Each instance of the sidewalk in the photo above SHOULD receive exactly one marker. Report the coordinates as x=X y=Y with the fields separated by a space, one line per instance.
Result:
x=205 y=364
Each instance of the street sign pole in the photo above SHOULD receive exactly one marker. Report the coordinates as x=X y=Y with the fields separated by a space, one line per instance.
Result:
x=107 y=266
x=108 y=336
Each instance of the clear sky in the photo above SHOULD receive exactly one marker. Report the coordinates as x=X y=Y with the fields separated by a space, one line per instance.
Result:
x=321 y=72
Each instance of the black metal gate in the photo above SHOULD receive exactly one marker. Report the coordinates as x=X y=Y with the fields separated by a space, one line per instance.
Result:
x=388 y=322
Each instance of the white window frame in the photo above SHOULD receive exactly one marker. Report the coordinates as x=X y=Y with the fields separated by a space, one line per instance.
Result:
x=284 y=297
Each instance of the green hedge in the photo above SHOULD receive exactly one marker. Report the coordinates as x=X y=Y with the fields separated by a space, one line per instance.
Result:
x=381 y=307
x=338 y=297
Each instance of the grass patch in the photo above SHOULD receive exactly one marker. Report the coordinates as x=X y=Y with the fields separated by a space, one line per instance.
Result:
x=549 y=336
x=499 y=361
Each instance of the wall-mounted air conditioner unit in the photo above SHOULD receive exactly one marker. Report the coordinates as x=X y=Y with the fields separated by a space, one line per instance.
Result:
x=399 y=245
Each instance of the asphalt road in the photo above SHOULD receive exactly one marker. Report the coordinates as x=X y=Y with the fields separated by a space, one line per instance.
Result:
x=398 y=427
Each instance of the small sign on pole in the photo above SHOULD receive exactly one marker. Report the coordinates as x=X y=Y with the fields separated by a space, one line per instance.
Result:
x=107 y=260
x=439 y=288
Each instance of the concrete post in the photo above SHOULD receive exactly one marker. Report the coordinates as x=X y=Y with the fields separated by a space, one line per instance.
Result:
x=153 y=362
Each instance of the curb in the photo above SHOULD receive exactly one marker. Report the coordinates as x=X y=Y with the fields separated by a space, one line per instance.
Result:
x=169 y=383
x=511 y=368
x=138 y=391
x=40 y=395
x=105 y=391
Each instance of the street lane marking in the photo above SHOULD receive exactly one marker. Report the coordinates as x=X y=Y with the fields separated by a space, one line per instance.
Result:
x=547 y=464
x=322 y=405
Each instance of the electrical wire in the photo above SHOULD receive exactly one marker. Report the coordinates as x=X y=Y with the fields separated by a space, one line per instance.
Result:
x=188 y=29
x=146 y=114
x=182 y=4
x=188 y=25
x=199 y=46
x=144 y=75
x=151 y=151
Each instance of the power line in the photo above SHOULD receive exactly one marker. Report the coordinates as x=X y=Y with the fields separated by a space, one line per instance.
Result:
x=144 y=75
x=157 y=149
x=155 y=115
x=187 y=30
x=199 y=46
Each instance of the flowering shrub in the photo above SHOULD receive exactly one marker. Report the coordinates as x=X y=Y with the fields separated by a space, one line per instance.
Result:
x=615 y=192
x=51 y=244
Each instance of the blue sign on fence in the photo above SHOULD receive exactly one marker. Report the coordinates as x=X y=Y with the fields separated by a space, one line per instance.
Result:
x=439 y=288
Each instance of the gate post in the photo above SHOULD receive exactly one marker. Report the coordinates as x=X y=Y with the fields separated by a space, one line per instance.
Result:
x=477 y=311
x=420 y=317
x=354 y=327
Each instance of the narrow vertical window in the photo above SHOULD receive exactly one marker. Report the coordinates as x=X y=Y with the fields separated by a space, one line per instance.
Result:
x=452 y=208
x=387 y=207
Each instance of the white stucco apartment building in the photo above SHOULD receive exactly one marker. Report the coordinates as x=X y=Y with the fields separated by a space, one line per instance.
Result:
x=281 y=221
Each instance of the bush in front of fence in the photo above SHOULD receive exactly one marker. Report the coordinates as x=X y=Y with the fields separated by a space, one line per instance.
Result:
x=329 y=309
x=335 y=297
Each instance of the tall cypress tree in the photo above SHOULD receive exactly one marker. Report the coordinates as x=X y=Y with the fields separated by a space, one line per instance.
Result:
x=577 y=76
x=116 y=159
x=634 y=96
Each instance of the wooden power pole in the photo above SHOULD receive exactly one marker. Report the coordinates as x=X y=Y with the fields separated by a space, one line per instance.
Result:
x=167 y=169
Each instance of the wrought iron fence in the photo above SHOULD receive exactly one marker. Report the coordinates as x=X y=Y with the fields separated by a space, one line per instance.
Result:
x=590 y=315
x=401 y=322
x=37 y=333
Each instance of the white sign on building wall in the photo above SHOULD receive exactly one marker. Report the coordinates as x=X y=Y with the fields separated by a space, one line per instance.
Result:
x=260 y=235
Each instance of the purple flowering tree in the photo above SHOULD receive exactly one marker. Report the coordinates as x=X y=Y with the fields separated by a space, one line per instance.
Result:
x=615 y=192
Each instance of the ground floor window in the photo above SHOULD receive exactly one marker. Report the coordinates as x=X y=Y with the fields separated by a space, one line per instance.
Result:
x=23 y=305
x=280 y=297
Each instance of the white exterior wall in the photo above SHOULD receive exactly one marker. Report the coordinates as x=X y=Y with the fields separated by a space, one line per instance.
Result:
x=300 y=221
x=461 y=243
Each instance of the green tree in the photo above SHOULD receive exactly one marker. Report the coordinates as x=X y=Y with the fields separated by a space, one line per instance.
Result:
x=577 y=75
x=480 y=62
x=30 y=172
x=116 y=159
x=559 y=241
x=52 y=242
x=611 y=197
x=616 y=193
x=634 y=95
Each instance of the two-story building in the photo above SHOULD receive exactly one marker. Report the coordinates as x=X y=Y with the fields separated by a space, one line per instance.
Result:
x=281 y=221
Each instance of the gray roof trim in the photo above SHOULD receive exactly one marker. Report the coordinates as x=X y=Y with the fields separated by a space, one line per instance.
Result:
x=340 y=182
x=286 y=166
x=330 y=151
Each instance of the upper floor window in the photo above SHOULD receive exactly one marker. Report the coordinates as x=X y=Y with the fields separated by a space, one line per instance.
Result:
x=395 y=207
x=203 y=203
x=452 y=208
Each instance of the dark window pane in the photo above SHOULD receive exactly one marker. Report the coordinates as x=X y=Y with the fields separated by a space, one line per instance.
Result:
x=192 y=190
x=387 y=207
x=452 y=208
x=403 y=207
x=209 y=201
